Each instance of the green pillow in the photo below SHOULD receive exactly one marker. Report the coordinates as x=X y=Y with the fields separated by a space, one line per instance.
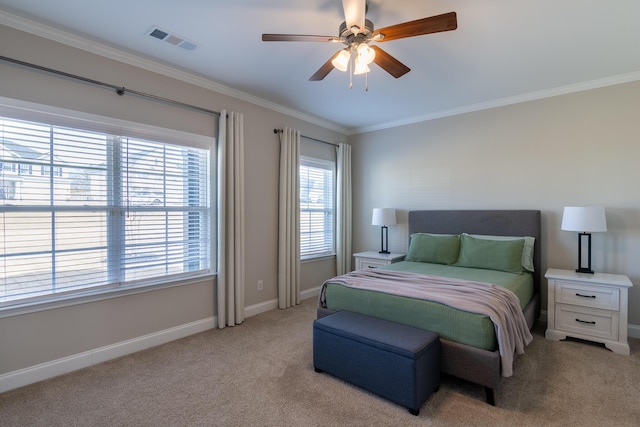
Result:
x=527 y=252
x=434 y=248
x=501 y=255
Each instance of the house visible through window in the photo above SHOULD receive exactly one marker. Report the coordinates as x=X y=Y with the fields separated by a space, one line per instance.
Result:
x=116 y=212
x=317 y=208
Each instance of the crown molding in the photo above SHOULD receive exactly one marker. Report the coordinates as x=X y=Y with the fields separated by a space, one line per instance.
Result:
x=69 y=39
x=42 y=30
x=502 y=102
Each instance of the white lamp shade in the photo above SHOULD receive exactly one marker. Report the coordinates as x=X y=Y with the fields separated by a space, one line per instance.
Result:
x=365 y=53
x=384 y=216
x=341 y=62
x=584 y=219
x=360 y=68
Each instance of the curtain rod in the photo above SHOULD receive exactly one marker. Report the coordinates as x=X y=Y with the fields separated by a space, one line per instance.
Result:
x=120 y=90
x=312 y=139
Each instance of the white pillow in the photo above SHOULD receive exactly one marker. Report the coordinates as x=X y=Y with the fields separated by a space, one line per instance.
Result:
x=527 y=251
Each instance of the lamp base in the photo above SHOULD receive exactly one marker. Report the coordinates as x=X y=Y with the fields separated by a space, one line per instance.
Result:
x=384 y=240
x=580 y=268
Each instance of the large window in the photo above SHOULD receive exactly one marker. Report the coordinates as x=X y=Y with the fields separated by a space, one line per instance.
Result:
x=118 y=211
x=317 y=213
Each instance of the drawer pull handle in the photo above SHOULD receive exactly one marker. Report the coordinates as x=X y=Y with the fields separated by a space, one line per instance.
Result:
x=372 y=266
x=585 y=296
x=585 y=321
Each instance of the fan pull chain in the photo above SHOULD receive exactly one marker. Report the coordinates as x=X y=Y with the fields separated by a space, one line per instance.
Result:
x=351 y=67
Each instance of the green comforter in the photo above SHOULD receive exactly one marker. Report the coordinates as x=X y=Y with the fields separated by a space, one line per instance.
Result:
x=456 y=325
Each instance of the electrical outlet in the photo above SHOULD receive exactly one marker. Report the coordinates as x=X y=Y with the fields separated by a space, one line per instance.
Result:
x=260 y=285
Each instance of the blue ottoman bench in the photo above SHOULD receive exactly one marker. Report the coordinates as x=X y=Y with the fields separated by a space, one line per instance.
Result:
x=398 y=362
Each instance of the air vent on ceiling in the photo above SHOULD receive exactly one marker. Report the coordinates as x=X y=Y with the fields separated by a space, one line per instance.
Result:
x=172 y=38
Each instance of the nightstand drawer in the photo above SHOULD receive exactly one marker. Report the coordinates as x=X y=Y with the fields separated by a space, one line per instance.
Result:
x=585 y=321
x=604 y=297
x=364 y=263
x=372 y=259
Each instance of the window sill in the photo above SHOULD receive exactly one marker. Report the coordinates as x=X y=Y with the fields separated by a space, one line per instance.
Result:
x=93 y=296
x=317 y=258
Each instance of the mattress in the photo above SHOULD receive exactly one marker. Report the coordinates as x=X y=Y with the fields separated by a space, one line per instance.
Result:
x=455 y=325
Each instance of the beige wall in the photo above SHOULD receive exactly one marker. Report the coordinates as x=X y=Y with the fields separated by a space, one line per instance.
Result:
x=574 y=149
x=30 y=339
x=577 y=149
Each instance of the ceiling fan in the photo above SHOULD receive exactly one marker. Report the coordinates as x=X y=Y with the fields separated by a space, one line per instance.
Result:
x=357 y=32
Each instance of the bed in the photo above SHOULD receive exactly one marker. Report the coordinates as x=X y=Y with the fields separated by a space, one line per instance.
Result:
x=470 y=347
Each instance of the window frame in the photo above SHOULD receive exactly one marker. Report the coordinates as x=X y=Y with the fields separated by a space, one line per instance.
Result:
x=314 y=162
x=27 y=111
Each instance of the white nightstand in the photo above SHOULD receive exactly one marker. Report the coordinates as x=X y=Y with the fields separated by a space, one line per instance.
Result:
x=588 y=306
x=374 y=259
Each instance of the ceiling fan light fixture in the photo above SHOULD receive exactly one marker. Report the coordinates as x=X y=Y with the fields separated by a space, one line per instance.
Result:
x=360 y=68
x=357 y=32
x=365 y=53
x=341 y=62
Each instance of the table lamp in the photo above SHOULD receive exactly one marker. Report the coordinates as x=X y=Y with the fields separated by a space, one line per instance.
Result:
x=384 y=217
x=585 y=220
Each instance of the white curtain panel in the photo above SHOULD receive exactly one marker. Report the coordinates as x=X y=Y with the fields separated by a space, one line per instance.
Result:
x=289 y=220
x=343 y=214
x=231 y=232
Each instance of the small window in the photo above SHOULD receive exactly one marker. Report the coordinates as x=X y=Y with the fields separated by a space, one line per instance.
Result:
x=25 y=169
x=317 y=208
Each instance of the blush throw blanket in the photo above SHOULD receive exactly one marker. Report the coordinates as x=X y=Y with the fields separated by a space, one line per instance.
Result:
x=500 y=304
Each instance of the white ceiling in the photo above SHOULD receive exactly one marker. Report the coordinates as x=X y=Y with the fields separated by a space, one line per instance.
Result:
x=503 y=51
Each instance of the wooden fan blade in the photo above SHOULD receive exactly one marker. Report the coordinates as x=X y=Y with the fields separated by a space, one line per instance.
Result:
x=297 y=38
x=419 y=27
x=324 y=70
x=390 y=64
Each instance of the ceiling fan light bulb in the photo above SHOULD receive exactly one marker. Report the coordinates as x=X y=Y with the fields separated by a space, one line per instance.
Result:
x=341 y=62
x=365 y=53
x=361 y=68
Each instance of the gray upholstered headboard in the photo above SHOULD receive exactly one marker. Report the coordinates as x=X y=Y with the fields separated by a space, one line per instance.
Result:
x=494 y=222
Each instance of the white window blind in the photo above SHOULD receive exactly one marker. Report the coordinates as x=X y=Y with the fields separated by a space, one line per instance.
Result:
x=82 y=210
x=317 y=213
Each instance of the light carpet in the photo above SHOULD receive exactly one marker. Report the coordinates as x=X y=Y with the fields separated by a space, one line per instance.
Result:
x=261 y=373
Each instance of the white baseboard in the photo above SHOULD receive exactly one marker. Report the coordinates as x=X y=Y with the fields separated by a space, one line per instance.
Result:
x=263 y=307
x=43 y=371
x=310 y=293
